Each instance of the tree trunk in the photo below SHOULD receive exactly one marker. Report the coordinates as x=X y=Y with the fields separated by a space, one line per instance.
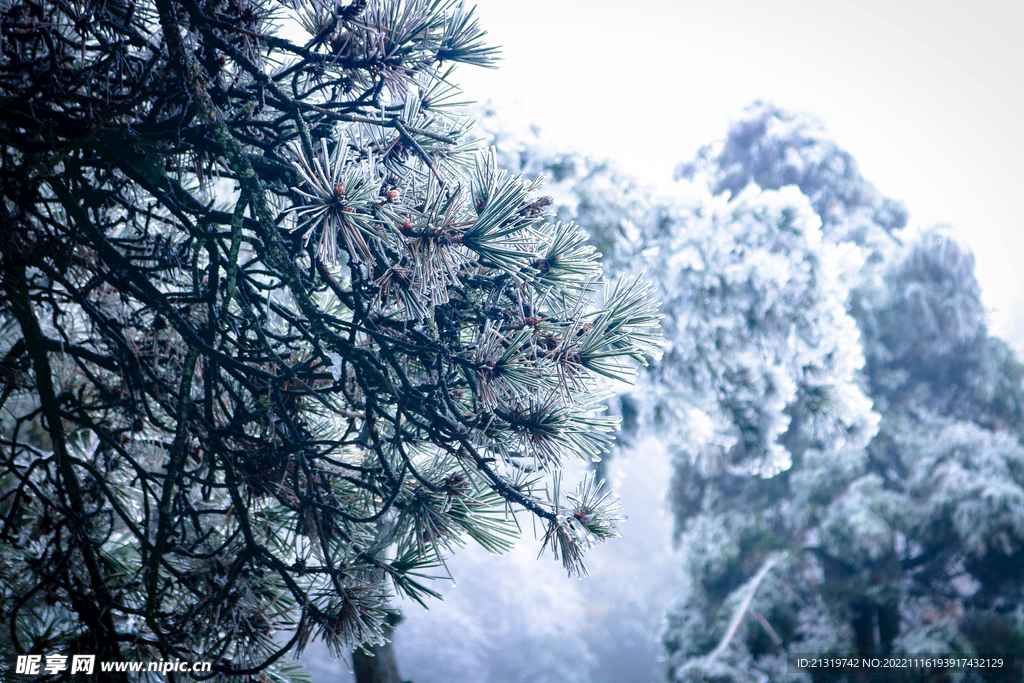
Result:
x=380 y=665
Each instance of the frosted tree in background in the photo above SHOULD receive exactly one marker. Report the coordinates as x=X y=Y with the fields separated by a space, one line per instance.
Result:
x=912 y=544
x=927 y=342
x=763 y=356
x=772 y=148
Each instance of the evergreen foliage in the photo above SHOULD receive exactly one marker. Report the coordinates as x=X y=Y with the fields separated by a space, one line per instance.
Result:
x=275 y=339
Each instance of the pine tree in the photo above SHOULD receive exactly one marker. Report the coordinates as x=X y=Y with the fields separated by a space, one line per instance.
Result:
x=276 y=340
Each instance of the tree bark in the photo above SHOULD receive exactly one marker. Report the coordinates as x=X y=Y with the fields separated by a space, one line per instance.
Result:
x=379 y=665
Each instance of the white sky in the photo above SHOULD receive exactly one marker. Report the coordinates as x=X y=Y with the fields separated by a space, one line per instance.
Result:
x=927 y=96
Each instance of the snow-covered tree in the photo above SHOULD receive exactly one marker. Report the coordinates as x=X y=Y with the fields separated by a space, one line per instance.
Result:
x=772 y=148
x=762 y=358
x=926 y=338
x=275 y=341
x=910 y=544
